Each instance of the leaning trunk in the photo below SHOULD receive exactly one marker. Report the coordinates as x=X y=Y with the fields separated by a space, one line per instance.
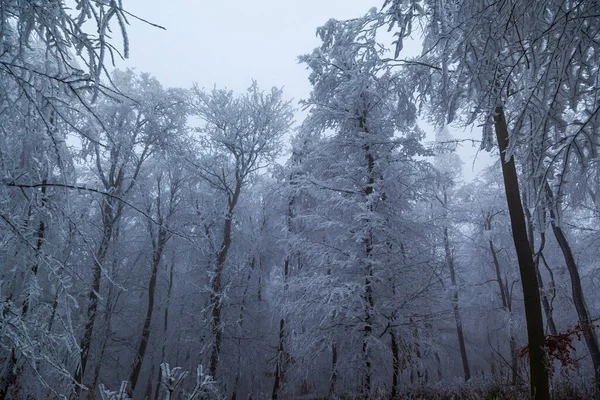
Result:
x=531 y=296
x=585 y=321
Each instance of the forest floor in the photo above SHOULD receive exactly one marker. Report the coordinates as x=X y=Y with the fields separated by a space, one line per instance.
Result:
x=487 y=393
x=498 y=393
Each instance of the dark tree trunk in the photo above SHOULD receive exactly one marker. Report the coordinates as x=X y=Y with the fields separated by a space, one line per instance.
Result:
x=12 y=371
x=416 y=373
x=455 y=307
x=514 y=360
x=281 y=359
x=395 y=364
x=585 y=321
x=217 y=285
x=545 y=302
x=241 y=319
x=531 y=234
x=93 y=296
x=158 y=248
x=148 y=392
x=531 y=295
x=104 y=339
x=368 y=294
x=165 y=328
x=507 y=306
x=369 y=302
x=333 y=378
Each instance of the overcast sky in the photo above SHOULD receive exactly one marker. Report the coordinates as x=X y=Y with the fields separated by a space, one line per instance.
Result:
x=230 y=42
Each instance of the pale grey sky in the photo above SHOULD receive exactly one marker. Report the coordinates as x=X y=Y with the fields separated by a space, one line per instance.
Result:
x=230 y=42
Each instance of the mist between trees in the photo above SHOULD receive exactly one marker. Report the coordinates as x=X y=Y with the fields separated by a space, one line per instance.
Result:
x=144 y=258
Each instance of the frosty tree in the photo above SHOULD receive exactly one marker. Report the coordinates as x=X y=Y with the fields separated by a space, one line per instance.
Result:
x=48 y=61
x=526 y=71
x=348 y=201
x=240 y=135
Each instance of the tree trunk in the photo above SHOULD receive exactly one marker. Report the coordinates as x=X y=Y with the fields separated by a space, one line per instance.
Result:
x=165 y=328
x=281 y=358
x=158 y=248
x=546 y=302
x=455 y=307
x=241 y=320
x=531 y=296
x=333 y=378
x=395 y=364
x=279 y=361
x=105 y=337
x=216 y=285
x=538 y=255
x=12 y=371
x=514 y=360
x=93 y=296
x=507 y=306
x=585 y=321
x=148 y=392
x=368 y=288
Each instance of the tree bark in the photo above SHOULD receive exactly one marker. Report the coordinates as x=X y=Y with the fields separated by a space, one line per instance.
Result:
x=585 y=322
x=158 y=248
x=108 y=221
x=530 y=230
x=279 y=361
x=395 y=364
x=333 y=378
x=368 y=243
x=368 y=288
x=531 y=296
x=506 y=299
x=281 y=357
x=12 y=371
x=105 y=338
x=165 y=328
x=216 y=285
x=455 y=307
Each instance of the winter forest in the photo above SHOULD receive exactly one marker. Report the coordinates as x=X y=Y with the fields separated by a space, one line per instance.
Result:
x=190 y=243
